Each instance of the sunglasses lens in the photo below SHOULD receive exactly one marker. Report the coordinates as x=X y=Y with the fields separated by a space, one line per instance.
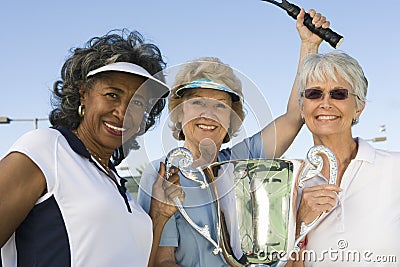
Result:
x=312 y=93
x=339 y=94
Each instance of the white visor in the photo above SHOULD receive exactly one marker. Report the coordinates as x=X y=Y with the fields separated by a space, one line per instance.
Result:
x=131 y=68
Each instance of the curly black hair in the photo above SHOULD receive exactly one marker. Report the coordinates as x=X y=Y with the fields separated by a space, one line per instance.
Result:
x=115 y=46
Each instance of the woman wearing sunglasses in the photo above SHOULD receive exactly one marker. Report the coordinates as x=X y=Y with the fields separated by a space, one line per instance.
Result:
x=364 y=223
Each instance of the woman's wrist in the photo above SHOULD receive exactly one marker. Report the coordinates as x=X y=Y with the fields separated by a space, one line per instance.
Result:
x=309 y=47
x=157 y=216
x=158 y=220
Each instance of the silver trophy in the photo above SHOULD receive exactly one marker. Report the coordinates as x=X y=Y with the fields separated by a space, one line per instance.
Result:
x=256 y=204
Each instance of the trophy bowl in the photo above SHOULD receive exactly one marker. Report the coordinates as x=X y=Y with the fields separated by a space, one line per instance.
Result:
x=263 y=197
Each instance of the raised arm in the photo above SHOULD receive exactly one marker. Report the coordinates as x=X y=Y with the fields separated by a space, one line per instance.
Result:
x=279 y=134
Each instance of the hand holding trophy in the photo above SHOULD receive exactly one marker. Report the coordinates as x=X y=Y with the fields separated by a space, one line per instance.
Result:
x=182 y=158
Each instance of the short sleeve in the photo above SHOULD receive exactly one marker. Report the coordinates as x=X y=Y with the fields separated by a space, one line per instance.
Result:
x=170 y=236
x=41 y=147
x=250 y=148
x=147 y=180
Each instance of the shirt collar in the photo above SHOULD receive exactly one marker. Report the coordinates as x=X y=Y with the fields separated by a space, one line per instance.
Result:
x=77 y=145
x=365 y=152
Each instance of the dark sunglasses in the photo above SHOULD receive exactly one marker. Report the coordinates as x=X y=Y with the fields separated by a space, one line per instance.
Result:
x=337 y=94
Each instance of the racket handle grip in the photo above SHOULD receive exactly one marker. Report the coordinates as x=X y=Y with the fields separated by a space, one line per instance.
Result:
x=333 y=38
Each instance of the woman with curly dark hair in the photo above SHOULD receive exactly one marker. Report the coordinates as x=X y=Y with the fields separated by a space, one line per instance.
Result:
x=62 y=202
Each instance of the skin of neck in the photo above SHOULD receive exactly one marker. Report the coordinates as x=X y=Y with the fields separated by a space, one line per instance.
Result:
x=204 y=153
x=92 y=146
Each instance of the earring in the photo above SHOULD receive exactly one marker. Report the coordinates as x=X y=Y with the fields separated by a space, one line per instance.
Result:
x=303 y=121
x=179 y=133
x=81 y=110
x=228 y=136
x=354 y=121
x=178 y=125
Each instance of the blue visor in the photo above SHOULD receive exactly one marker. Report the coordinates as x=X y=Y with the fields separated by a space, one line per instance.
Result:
x=208 y=84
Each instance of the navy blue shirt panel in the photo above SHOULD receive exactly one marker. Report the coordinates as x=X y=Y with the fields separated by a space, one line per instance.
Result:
x=44 y=225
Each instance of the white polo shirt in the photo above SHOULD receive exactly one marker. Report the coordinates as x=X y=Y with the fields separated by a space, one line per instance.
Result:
x=364 y=229
x=83 y=220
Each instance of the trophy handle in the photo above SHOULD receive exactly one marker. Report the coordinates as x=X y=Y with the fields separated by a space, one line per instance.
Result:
x=313 y=168
x=204 y=231
x=182 y=158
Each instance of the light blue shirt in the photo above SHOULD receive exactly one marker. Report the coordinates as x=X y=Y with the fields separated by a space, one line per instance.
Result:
x=192 y=249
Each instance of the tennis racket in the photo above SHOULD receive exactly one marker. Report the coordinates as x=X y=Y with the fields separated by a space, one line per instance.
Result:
x=333 y=38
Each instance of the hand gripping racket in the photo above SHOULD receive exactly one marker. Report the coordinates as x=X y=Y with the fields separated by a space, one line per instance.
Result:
x=334 y=39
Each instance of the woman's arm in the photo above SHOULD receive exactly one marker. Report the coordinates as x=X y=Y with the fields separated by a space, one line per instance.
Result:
x=166 y=257
x=279 y=134
x=21 y=185
x=162 y=207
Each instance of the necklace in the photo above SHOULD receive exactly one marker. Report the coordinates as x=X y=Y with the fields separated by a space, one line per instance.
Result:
x=99 y=160
x=94 y=155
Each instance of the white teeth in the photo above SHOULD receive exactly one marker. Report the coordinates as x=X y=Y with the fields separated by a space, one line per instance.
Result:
x=326 y=117
x=206 y=127
x=114 y=127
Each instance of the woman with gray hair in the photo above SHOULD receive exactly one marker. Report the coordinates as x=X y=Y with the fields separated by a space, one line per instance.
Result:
x=364 y=215
x=206 y=109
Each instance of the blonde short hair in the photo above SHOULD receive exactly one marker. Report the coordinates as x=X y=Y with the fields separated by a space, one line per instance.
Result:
x=215 y=70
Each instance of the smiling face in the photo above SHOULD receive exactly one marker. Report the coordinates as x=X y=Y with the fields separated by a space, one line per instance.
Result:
x=105 y=109
x=206 y=114
x=326 y=117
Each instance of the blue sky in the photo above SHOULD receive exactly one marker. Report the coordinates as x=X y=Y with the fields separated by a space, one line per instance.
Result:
x=254 y=37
